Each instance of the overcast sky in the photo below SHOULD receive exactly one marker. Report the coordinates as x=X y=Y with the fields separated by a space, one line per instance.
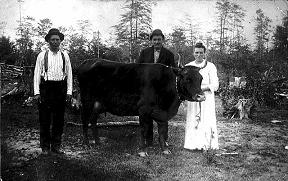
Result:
x=104 y=14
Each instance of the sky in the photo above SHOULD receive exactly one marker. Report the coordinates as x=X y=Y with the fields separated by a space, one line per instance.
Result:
x=103 y=14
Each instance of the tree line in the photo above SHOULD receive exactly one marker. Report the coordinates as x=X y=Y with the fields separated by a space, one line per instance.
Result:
x=227 y=46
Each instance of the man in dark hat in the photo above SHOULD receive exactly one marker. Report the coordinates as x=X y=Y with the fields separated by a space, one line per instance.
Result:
x=156 y=54
x=52 y=88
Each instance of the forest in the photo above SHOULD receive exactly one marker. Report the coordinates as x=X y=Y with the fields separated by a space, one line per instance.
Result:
x=263 y=63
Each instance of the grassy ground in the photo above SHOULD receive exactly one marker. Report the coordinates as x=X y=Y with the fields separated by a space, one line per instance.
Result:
x=249 y=150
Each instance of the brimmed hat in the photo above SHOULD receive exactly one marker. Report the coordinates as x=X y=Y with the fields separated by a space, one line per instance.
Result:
x=156 y=32
x=54 y=31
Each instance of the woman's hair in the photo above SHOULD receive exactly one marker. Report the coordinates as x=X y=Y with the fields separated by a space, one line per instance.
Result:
x=200 y=45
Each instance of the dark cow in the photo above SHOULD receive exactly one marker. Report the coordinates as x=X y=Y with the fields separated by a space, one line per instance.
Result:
x=145 y=90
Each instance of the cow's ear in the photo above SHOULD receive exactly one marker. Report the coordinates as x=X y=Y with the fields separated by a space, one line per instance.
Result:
x=177 y=71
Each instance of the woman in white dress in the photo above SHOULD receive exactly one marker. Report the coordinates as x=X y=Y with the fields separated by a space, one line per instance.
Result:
x=201 y=128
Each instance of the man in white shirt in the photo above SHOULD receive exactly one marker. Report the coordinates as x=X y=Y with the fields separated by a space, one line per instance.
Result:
x=52 y=87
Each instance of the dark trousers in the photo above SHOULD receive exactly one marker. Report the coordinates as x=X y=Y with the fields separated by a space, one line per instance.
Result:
x=149 y=136
x=51 y=113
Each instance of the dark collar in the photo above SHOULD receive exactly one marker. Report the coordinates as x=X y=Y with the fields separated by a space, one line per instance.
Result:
x=157 y=50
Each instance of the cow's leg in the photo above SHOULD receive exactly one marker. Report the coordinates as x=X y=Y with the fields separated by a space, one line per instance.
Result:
x=163 y=132
x=93 y=118
x=144 y=126
x=85 y=116
x=166 y=135
x=149 y=134
x=95 y=129
x=89 y=114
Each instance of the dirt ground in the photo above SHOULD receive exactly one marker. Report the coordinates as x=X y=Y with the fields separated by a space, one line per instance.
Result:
x=249 y=150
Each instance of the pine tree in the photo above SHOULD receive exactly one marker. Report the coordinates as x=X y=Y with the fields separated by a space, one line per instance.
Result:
x=262 y=31
x=192 y=29
x=281 y=38
x=229 y=17
x=26 y=32
x=79 y=43
x=177 y=39
x=44 y=25
x=134 y=26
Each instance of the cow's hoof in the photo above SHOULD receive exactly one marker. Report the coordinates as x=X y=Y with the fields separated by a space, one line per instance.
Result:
x=166 y=152
x=143 y=154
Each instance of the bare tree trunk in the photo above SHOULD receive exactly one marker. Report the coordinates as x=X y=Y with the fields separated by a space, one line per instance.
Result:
x=191 y=33
x=136 y=30
x=221 y=34
x=131 y=32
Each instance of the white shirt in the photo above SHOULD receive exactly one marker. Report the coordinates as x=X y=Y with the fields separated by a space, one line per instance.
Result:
x=55 y=70
x=156 y=55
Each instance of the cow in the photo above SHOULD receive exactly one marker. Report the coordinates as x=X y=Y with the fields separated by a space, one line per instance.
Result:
x=149 y=91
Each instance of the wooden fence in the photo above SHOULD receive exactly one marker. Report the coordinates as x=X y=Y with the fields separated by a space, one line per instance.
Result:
x=16 y=79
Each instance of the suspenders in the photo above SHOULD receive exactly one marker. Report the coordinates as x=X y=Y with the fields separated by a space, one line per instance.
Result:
x=46 y=62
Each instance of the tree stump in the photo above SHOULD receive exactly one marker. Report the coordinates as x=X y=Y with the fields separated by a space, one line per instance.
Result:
x=244 y=106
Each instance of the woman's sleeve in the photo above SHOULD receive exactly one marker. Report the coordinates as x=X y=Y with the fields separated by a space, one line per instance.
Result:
x=214 y=82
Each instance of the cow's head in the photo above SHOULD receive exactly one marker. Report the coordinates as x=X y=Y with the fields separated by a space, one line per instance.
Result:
x=189 y=83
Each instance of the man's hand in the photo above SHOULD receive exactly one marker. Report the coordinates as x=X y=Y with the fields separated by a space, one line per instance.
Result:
x=37 y=98
x=68 y=98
